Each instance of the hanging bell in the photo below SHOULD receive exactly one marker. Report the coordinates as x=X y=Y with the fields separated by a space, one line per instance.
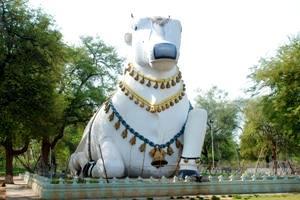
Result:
x=131 y=97
x=132 y=141
x=183 y=86
x=168 y=85
x=136 y=101
x=123 y=88
x=152 y=152
x=152 y=109
x=179 y=74
x=106 y=108
x=158 y=157
x=149 y=83
x=156 y=85
x=162 y=85
x=178 y=144
x=170 y=150
x=129 y=67
x=131 y=73
x=142 y=81
x=148 y=108
x=177 y=79
x=167 y=106
x=176 y=100
x=136 y=77
x=173 y=82
x=111 y=116
x=124 y=134
x=106 y=104
x=142 y=147
x=142 y=104
x=158 y=109
x=117 y=125
x=171 y=103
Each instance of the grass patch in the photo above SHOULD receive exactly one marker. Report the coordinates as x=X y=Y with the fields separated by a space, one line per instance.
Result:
x=16 y=171
x=268 y=197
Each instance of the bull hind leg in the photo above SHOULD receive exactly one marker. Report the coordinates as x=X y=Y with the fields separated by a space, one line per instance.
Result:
x=193 y=141
x=110 y=163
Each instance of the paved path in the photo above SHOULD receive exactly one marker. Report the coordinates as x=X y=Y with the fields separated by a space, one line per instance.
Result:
x=18 y=191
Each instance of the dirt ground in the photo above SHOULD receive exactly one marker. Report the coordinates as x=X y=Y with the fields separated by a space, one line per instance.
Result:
x=17 y=191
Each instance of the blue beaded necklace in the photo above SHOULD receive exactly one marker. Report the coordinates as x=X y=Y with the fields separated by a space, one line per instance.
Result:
x=146 y=141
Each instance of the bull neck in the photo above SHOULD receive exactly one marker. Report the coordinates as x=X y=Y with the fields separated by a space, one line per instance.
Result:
x=156 y=74
x=151 y=94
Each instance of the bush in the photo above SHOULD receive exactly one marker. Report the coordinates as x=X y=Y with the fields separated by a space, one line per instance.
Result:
x=215 y=198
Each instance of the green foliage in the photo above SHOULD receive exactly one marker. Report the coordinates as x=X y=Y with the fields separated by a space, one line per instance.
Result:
x=88 y=79
x=30 y=64
x=259 y=133
x=215 y=198
x=223 y=120
x=277 y=80
x=31 y=58
x=68 y=145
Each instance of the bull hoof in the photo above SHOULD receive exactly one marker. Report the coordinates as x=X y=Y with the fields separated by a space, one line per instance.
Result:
x=195 y=176
x=88 y=168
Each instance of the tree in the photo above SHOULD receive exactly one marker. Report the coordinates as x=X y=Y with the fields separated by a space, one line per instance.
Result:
x=31 y=56
x=277 y=81
x=87 y=80
x=223 y=120
x=260 y=136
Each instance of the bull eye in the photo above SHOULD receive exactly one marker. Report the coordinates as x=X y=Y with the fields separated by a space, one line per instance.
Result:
x=135 y=28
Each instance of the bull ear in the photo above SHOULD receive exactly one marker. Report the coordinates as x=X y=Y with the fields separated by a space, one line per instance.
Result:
x=128 y=38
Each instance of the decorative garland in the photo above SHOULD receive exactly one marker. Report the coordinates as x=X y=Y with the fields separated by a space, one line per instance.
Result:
x=150 y=107
x=158 y=152
x=161 y=83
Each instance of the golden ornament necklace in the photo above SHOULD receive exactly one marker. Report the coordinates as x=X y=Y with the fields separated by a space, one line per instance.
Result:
x=161 y=83
x=150 y=107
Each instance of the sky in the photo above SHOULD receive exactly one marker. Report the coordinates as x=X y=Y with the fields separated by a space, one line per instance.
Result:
x=221 y=39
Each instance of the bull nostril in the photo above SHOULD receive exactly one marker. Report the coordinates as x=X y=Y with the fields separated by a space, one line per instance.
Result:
x=165 y=50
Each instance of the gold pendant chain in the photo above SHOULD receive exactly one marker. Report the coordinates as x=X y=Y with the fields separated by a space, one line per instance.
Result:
x=150 y=107
x=161 y=83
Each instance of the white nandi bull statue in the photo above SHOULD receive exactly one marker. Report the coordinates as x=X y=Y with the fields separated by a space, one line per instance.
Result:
x=148 y=127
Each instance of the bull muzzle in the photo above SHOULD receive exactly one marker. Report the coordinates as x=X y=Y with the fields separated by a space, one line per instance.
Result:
x=165 y=51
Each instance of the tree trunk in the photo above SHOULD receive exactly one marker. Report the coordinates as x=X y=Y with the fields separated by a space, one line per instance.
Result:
x=274 y=156
x=44 y=165
x=48 y=145
x=9 y=156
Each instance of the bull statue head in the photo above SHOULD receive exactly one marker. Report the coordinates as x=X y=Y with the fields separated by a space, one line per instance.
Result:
x=155 y=42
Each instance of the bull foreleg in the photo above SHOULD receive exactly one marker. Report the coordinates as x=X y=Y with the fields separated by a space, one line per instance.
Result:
x=193 y=141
